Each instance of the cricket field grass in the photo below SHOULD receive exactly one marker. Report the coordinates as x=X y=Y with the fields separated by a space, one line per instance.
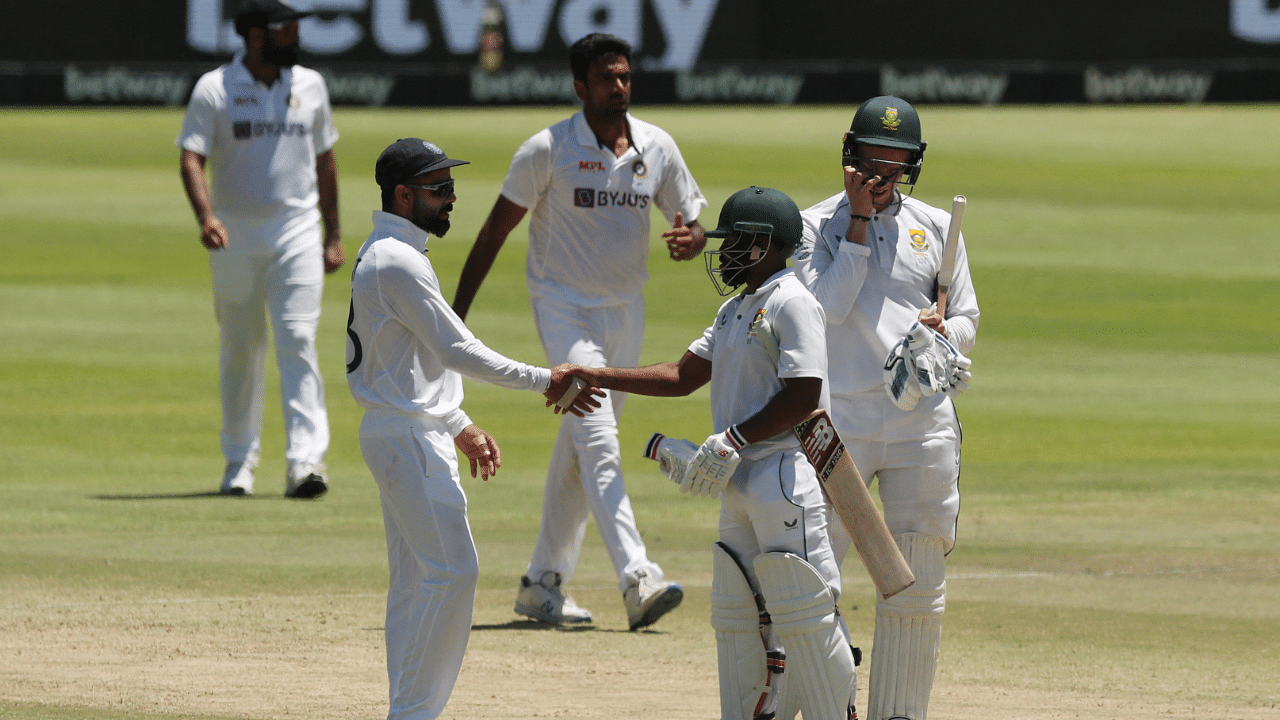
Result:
x=1118 y=545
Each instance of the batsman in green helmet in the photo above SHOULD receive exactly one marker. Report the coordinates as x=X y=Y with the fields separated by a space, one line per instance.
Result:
x=765 y=359
x=872 y=255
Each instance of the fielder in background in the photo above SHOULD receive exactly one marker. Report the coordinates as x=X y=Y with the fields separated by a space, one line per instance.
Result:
x=406 y=354
x=775 y=581
x=589 y=183
x=265 y=127
x=871 y=256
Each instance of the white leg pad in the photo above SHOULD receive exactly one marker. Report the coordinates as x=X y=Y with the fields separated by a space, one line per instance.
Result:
x=821 y=677
x=748 y=670
x=904 y=658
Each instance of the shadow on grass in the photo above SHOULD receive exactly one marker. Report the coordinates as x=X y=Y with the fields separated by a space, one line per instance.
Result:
x=534 y=625
x=197 y=496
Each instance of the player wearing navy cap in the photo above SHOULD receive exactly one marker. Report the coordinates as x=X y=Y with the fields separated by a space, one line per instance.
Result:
x=406 y=354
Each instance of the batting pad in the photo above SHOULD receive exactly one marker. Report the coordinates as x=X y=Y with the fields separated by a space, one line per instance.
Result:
x=821 y=678
x=747 y=667
x=908 y=634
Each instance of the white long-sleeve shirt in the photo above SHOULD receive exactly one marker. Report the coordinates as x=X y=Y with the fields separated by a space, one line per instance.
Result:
x=406 y=348
x=873 y=293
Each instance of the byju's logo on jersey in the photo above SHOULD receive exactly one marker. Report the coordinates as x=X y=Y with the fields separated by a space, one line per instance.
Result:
x=246 y=129
x=589 y=198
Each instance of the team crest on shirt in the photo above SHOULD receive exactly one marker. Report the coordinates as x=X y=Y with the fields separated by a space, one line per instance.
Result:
x=891 y=121
x=918 y=241
x=639 y=168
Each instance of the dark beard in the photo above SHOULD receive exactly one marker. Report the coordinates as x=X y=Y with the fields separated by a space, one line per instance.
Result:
x=284 y=56
x=429 y=220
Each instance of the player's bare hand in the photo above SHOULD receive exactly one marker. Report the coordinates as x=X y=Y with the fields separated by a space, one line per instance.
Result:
x=861 y=189
x=213 y=235
x=930 y=318
x=684 y=242
x=562 y=383
x=334 y=256
x=481 y=449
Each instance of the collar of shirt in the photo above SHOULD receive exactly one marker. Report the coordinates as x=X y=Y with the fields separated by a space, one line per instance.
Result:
x=393 y=226
x=770 y=283
x=587 y=136
x=240 y=74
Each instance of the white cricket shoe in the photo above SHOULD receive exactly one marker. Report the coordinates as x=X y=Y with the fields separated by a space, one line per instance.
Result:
x=545 y=602
x=647 y=601
x=237 y=479
x=306 y=480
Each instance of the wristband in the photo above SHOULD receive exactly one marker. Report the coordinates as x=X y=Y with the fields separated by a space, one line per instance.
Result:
x=863 y=218
x=734 y=436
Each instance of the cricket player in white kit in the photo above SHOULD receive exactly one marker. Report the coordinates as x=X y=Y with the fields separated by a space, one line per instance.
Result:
x=406 y=354
x=775 y=581
x=871 y=256
x=590 y=182
x=264 y=125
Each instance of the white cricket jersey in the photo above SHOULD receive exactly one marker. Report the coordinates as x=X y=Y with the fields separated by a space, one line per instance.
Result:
x=262 y=144
x=757 y=340
x=873 y=293
x=589 y=225
x=406 y=348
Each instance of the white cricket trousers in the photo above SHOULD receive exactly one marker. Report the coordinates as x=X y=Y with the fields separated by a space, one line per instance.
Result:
x=776 y=504
x=585 y=476
x=915 y=455
x=432 y=556
x=287 y=285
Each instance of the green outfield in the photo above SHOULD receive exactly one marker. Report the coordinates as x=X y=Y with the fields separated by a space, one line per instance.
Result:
x=1118 y=537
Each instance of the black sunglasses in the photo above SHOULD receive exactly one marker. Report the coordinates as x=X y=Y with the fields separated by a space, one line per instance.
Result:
x=441 y=189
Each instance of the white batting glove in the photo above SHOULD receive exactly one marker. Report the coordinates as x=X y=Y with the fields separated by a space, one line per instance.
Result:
x=713 y=464
x=900 y=377
x=959 y=365
x=673 y=455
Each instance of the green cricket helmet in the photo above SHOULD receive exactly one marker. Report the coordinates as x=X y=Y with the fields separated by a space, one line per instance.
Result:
x=891 y=122
x=752 y=212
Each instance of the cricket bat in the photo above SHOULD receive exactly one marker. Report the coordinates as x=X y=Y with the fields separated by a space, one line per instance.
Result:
x=948 y=268
x=852 y=502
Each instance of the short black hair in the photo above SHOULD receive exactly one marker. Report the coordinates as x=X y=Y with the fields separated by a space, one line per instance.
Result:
x=590 y=48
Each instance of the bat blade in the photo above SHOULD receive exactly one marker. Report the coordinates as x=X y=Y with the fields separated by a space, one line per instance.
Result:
x=853 y=504
x=948 y=269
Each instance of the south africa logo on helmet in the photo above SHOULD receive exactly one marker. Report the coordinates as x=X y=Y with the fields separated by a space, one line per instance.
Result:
x=890 y=119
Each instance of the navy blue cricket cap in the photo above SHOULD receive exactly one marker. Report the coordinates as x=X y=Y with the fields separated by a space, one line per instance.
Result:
x=261 y=13
x=406 y=159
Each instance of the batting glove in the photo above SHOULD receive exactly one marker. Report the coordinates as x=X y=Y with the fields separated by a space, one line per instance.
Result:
x=713 y=464
x=900 y=377
x=673 y=455
x=959 y=366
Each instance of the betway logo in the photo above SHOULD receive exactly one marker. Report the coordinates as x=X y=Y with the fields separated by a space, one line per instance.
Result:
x=357 y=88
x=1142 y=85
x=936 y=85
x=119 y=84
x=732 y=85
x=523 y=84
x=683 y=22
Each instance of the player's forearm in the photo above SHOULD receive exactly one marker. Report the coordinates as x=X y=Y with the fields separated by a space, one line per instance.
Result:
x=327 y=186
x=661 y=380
x=191 y=167
x=474 y=271
x=786 y=409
